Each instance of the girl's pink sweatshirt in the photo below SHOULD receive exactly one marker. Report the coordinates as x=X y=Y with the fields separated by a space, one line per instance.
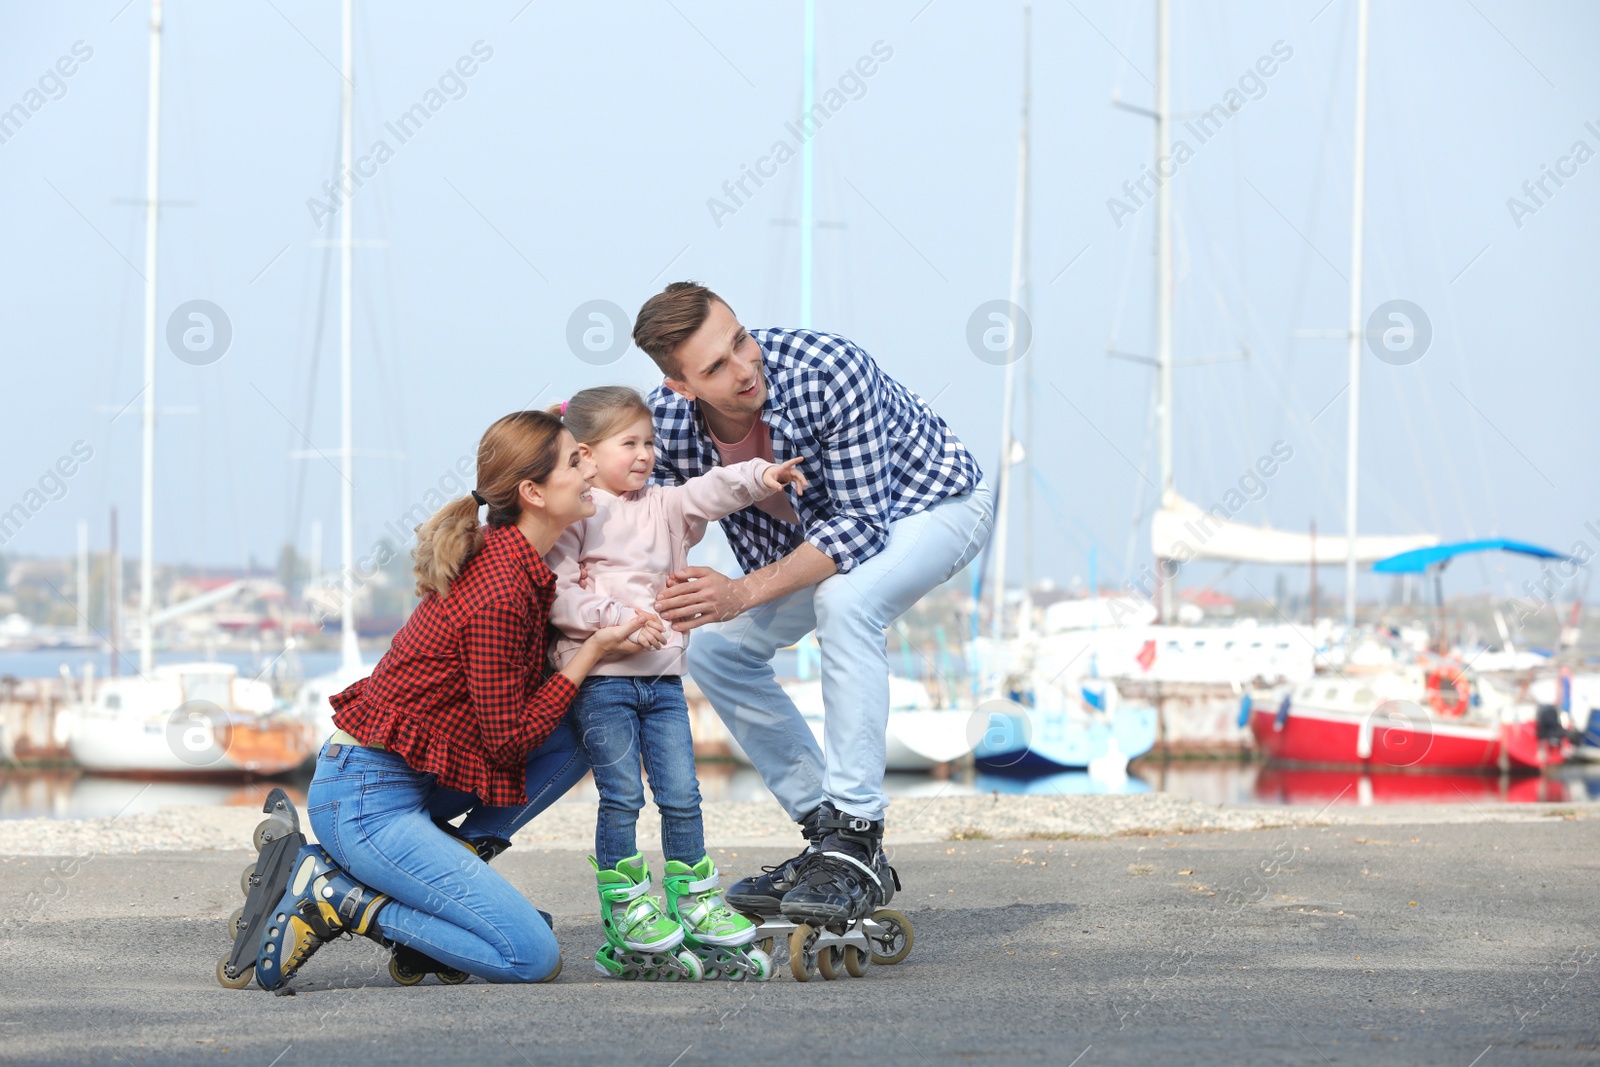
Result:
x=627 y=548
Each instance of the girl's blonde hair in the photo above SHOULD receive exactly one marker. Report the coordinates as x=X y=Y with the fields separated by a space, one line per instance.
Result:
x=520 y=447
x=595 y=414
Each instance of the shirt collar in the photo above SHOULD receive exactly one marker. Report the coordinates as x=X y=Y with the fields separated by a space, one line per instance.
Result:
x=774 y=410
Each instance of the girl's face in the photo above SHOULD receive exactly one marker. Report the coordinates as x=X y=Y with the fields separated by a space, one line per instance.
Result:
x=566 y=490
x=624 y=460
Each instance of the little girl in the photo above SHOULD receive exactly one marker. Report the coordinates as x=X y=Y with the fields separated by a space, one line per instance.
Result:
x=609 y=567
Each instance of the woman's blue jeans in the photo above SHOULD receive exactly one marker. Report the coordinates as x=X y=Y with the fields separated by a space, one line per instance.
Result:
x=623 y=720
x=375 y=816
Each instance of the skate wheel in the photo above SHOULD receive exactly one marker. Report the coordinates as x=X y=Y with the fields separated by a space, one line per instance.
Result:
x=856 y=961
x=234 y=982
x=403 y=975
x=803 y=953
x=259 y=836
x=893 y=938
x=692 y=964
x=236 y=924
x=760 y=964
x=244 y=879
x=451 y=976
x=766 y=945
x=830 y=962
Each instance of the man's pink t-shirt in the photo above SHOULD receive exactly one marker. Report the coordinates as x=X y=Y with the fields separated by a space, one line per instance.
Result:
x=757 y=444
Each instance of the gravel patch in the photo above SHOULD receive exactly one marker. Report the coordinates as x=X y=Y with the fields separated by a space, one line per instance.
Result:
x=911 y=820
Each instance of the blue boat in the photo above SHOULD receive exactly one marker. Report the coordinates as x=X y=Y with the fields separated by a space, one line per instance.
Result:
x=1094 y=735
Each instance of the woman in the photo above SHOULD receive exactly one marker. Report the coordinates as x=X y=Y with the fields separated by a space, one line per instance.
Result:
x=458 y=716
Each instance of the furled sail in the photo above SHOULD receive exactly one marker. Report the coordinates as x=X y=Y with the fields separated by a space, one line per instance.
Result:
x=1184 y=531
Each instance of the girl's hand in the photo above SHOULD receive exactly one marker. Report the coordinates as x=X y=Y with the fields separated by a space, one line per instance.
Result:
x=781 y=474
x=652 y=635
x=619 y=638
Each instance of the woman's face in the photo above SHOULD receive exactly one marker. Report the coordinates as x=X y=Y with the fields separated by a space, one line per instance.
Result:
x=566 y=490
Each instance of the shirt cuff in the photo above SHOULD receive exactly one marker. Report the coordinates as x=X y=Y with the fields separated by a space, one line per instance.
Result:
x=847 y=541
x=559 y=689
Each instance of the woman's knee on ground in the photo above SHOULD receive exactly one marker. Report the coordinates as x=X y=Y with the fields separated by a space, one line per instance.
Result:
x=534 y=954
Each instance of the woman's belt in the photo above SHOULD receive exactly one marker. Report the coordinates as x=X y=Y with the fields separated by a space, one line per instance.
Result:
x=340 y=737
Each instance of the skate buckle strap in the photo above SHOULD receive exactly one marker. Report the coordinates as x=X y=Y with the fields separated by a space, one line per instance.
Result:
x=633 y=891
x=845 y=821
x=855 y=862
x=700 y=885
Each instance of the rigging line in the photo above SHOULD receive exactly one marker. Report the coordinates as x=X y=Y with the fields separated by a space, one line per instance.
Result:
x=1119 y=305
x=401 y=326
x=1463 y=363
x=1052 y=501
x=1397 y=376
x=1431 y=411
x=391 y=381
x=1142 y=486
x=308 y=420
x=1234 y=428
x=1297 y=303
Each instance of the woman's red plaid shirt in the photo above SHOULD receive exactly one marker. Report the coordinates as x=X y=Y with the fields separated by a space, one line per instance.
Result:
x=463 y=692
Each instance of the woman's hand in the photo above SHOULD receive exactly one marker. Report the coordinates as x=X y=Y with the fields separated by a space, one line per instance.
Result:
x=779 y=475
x=619 y=638
x=652 y=635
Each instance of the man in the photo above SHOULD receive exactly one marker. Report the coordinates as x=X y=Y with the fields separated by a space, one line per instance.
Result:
x=896 y=507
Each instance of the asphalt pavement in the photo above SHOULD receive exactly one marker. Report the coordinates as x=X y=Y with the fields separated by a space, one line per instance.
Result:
x=1468 y=944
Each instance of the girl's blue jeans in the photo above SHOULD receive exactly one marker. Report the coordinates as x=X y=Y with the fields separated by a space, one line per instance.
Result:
x=624 y=720
x=375 y=816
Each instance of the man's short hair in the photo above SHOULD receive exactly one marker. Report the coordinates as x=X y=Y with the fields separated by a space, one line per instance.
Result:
x=670 y=318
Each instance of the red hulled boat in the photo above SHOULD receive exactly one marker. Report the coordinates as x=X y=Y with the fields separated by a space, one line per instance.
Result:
x=1430 y=716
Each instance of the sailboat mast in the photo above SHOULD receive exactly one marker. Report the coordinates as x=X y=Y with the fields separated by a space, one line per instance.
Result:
x=349 y=647
x=1357 y=227
x=152 y=176
x=1019 y=282
x=807 y=189
x=1169 y=585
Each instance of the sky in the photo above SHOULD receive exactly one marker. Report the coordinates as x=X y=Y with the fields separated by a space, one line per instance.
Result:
x=584 y=158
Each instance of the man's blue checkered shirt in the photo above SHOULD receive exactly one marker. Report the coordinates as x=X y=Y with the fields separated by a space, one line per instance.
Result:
x=872 y=450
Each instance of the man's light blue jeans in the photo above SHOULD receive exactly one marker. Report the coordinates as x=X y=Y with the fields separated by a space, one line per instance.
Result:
x=732 y=661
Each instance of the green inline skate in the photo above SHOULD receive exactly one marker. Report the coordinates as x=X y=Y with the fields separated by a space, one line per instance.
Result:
x=643 y=943
x=712 y=930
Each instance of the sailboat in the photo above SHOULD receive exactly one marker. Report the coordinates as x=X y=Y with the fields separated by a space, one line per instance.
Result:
x=1196 y=674
x=1029 y=718
x=186 y=720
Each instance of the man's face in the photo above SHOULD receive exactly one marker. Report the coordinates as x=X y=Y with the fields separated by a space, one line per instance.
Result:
x=721 y=365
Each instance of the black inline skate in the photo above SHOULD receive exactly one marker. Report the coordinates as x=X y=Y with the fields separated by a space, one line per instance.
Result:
x=825 y=934
x=761 y=895
x=846 y=877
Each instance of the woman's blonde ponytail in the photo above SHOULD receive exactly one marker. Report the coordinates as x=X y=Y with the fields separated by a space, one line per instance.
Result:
x=445 y=542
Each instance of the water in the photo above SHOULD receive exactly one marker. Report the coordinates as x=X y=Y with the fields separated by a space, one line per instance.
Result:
x=73 y=795
x=47 y=662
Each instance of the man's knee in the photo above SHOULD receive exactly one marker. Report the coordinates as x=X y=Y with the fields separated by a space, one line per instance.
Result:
x=841 y=605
